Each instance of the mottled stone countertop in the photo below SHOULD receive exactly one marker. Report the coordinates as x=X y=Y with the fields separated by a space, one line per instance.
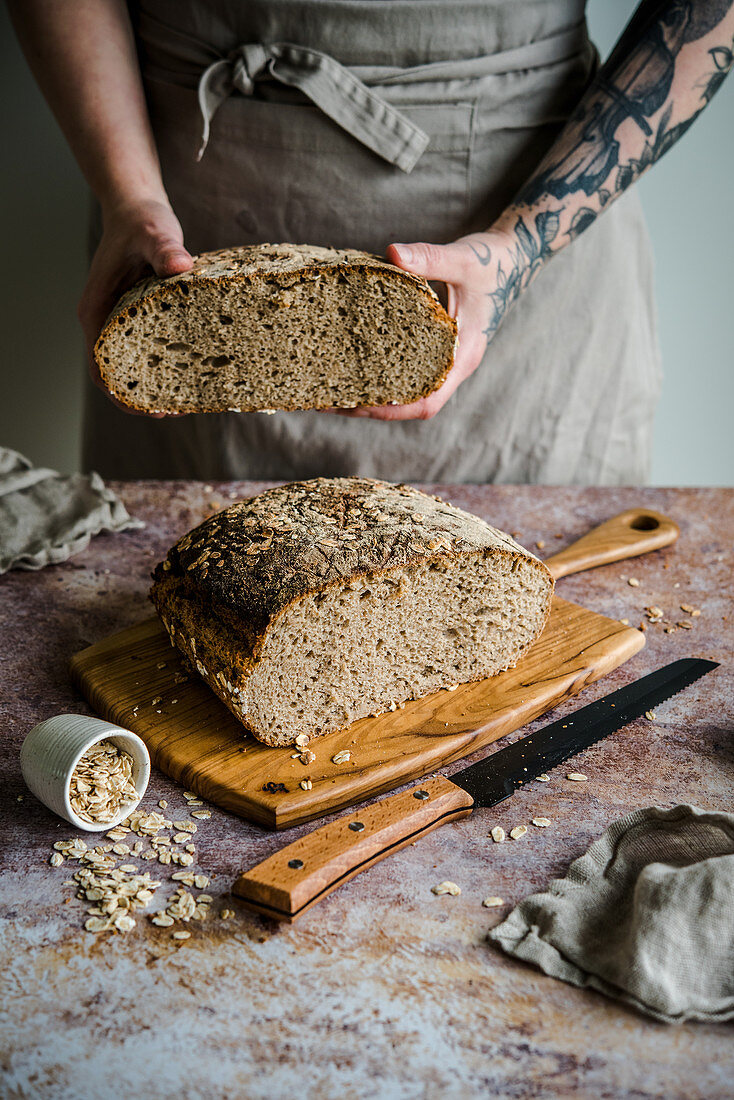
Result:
x=383 y=989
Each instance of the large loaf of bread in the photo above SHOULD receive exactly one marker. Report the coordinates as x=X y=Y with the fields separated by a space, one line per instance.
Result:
x=320 y=602
x=277 y=326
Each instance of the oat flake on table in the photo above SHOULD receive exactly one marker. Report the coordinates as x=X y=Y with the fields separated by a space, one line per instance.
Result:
x=116 y=891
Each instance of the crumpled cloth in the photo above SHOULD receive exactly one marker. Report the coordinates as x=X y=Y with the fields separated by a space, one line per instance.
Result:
x=645 y=916
x=45 y=517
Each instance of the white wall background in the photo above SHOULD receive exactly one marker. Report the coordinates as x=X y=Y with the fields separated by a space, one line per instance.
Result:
x=687 y=198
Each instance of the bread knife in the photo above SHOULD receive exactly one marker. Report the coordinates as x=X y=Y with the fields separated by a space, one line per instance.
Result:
x=292 y=880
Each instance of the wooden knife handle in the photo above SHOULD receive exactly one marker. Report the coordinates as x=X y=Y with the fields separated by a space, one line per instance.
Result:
x=295 y=878
x=636 y=531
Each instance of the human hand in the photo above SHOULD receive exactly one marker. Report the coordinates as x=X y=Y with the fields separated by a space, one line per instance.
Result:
x=483 y=274
x=136 y=239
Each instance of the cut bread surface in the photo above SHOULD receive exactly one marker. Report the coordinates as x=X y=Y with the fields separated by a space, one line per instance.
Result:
x=277 y=327
x=399 y=636
x=318 y=603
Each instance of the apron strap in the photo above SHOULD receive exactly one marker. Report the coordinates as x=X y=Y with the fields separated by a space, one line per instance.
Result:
x=337 y=92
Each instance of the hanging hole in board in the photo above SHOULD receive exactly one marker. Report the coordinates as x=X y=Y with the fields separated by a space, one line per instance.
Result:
x=645 y=523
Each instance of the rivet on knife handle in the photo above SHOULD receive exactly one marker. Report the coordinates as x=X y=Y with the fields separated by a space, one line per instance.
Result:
x=293 y=879
x=636 y=531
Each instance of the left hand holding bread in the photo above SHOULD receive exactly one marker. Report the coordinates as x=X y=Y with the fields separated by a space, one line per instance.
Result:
x=474 y=269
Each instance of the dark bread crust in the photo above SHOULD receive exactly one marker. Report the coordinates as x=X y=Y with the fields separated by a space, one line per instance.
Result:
x=225 y=583
x=307 y=536
x=283 y=263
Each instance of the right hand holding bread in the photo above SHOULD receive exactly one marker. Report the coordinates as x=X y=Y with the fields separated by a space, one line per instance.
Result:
x=136 y=239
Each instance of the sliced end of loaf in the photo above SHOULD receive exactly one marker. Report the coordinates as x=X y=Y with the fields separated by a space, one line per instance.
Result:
x=277 y=327
x=370 y=644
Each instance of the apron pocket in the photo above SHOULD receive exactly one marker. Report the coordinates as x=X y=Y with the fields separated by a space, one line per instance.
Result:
x=284 y=171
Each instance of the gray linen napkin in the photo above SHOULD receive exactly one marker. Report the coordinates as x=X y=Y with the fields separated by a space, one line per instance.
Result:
x=646 y=916
x=45 y=517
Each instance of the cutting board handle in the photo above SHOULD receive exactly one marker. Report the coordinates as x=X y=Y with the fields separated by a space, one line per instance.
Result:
x=292 y=880
x=636 y=531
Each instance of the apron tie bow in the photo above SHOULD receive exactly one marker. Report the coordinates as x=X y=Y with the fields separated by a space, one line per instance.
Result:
x=249 y=62
x=330 y=86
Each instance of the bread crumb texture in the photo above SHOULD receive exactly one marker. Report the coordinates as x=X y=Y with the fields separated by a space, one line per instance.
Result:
x=277 y=326
x=319 y=602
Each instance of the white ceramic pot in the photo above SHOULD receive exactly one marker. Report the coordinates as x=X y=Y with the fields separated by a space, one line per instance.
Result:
x=53 y=749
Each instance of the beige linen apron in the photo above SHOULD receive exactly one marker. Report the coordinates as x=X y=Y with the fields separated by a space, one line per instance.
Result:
x=355 y=123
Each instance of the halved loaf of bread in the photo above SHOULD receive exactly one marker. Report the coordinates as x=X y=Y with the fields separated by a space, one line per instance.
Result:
x=320 y=602
x=277 y=326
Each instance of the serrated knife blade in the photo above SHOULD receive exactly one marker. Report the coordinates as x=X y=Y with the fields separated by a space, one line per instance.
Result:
x=499 y=775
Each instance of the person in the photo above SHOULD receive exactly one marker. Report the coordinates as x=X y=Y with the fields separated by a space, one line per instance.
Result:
x=469 y=141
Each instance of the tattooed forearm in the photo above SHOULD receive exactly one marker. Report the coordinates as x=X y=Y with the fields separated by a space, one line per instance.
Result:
x=665 y=69
x=636 y=87
x=526 y=258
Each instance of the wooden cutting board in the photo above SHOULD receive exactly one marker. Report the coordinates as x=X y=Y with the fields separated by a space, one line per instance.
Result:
x=135 y=679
